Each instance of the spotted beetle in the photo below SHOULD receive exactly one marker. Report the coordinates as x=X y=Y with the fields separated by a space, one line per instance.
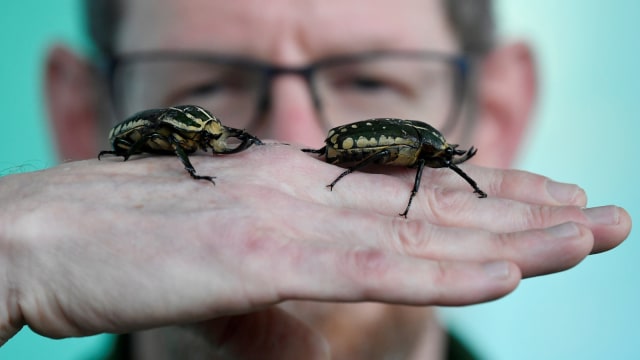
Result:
x=179 y=130
x=398 y=142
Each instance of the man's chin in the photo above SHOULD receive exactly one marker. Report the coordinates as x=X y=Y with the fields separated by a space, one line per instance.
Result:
x=366 y=330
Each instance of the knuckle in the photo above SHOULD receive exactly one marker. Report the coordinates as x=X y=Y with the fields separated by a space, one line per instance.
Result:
x=496 y=182
x=443 y=203
x=541 y=216
x=537 y=216
x=366 y=266
x=411 y=237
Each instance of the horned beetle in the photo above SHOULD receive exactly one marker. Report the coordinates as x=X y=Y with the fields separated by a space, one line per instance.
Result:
x=398 y=142
x=179 y=130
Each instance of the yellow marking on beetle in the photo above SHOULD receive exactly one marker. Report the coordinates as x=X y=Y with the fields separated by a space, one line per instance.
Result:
x=363 y=142
x=181 y=125
x=128 y=125
x=369 y=124
x=213 y=127
x=384 y=140
x=399 y=140
x=347 y=143
x=334 y=139
x=207 y=115
x=354 y=126
x=332 y=152
x=343 y=130
x=135 y=136
x=331 y=132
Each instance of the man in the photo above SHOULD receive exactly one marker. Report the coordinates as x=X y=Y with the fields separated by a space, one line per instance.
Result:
x=264 y=264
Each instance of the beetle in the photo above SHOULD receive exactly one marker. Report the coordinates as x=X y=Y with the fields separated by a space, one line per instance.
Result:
x=179 y=130
x=398 y=142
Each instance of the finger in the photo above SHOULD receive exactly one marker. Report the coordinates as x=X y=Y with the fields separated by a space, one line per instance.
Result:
x=535 y=252
x=610 y=226
x=391 y=192
x=513 y=184
x=331 y=261
x=371 y=274
x=267 y=334
x=448 y=207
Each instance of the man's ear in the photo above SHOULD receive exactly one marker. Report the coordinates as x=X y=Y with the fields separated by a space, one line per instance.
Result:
x=71 y=101
x=507 y=89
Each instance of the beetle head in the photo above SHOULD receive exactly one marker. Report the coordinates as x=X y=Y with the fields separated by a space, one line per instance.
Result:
x=214 y=136
x=240 y=140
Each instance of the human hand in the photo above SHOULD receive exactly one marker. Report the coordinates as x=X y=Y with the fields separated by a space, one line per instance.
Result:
x=114 y=246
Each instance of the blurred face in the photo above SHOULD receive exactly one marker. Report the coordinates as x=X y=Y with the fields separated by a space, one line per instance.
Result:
x=295 y=33
x=291 y=34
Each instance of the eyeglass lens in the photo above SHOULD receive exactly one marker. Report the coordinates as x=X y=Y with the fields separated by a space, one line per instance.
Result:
x=409 y=88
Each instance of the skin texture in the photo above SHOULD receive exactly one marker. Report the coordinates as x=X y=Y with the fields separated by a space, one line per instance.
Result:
x=111 y=246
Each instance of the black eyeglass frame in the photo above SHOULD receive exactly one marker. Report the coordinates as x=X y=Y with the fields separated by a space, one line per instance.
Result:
x=460 y=63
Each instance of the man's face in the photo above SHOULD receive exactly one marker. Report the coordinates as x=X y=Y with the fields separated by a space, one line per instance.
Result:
x=287 y=33
x=293 y=33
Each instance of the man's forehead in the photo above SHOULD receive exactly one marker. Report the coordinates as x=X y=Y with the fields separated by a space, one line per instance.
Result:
x=285 y=30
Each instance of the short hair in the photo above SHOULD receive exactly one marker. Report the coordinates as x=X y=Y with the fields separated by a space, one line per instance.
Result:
x=472 y=22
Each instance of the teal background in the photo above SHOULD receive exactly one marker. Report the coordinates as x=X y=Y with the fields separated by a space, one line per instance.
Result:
x=586 y=132
x=586 y=128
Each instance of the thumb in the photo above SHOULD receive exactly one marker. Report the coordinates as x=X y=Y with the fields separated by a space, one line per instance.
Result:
x=267 y=334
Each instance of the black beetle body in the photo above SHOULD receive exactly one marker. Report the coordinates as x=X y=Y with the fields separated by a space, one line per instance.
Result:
x=179 y=130
x=398 y=142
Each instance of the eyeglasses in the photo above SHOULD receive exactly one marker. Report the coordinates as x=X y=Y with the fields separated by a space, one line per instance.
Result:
x=420 y=85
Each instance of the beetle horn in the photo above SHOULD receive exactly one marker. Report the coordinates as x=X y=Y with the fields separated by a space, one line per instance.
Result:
x=464 y=155
x=246 y=140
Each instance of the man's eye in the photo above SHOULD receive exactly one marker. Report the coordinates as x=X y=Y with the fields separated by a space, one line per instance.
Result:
x=223 y=85
x=203 y=89
x=209 y=89
x=367 y=84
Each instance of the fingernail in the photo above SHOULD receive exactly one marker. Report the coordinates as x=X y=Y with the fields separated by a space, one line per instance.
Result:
x=566 y=193
x=497 y=269
x=603 y=215
x=564 y=230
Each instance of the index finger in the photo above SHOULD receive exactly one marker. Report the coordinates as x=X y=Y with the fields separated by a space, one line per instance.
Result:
x=523 y=186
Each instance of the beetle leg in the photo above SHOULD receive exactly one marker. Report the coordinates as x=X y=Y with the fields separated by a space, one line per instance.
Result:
x=313 y=151
x=379 y=155
x=184 y=158
x=416 y=185
x=107 y=152
x=474 y=185
x=126 y=149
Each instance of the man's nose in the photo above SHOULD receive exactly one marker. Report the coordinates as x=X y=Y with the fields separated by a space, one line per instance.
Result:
x=293 y=117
